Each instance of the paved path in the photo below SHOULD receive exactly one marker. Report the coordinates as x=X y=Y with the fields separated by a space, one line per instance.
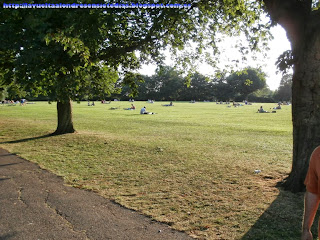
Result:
x=35 y=204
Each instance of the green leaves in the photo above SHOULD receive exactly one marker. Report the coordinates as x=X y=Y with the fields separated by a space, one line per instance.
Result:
x=60 y=53
x=70 y=44
x=132 y=80
x=246 y=81
x=285 y=61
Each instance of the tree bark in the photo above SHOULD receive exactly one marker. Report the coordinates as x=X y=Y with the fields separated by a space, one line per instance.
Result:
x=302 y=27
x=65 y=123
x=305 y=111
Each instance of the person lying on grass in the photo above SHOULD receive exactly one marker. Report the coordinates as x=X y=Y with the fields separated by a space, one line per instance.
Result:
x=168 y=105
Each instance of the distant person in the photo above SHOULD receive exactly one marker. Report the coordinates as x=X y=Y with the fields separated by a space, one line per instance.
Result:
x=277 y=107
x=261 y=110
x=131 y=108
x=144 y=111
x=168 y=105
x=22 y=102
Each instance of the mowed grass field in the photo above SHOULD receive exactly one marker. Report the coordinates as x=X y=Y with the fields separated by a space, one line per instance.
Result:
x=191 y=165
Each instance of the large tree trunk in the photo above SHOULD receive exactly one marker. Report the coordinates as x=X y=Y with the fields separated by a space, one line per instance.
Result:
x=302 y=27
x=305 y=110
x=65 y=124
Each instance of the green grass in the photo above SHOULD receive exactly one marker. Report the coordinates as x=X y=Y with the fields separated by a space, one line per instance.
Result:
x=191 y=165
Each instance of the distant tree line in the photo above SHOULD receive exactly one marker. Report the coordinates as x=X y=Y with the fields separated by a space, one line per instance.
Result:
x=167 y=84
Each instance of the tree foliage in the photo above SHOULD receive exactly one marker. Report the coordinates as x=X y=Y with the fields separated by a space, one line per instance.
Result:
x=242 y=83
x=168 y=84
x=57 y=52
x=284 y=92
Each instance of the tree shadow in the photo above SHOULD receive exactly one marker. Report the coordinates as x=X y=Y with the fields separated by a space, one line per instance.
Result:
x=3 y=179
x=282 y=219
x=28 y=139
x=7 y=236
x=6 y=155
x=9 y=164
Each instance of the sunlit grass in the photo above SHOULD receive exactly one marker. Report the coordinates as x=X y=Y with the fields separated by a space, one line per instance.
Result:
x=190 y=165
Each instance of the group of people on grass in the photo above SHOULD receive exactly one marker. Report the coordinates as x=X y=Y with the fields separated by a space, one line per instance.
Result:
x=91 y=104
x=261 y=110
x=144 y=109
x=13 y=102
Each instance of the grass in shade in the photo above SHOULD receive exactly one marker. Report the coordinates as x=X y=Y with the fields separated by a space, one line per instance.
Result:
x=191 y=165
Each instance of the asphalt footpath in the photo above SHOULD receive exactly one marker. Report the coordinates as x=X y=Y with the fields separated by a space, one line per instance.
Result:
x=35 y=204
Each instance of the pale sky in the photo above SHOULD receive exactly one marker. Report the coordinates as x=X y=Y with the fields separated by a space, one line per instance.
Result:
x=277 y=46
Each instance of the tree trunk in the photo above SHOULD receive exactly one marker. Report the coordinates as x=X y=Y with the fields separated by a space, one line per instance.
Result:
x=305 y=110
x=65 y=124
x=302 y=27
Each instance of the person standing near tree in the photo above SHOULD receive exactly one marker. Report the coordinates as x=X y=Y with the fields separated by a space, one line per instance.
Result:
x=312 y=195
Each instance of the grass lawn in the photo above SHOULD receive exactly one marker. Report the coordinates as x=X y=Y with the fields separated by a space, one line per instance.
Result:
x=190 y=165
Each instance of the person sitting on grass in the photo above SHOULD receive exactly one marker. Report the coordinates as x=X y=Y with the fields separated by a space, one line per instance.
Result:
x=144 y=111
x=278 y=107
x=131 y=108
x=261 y=110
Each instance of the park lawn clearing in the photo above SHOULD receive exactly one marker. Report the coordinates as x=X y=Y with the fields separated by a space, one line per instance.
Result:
x=191 y=165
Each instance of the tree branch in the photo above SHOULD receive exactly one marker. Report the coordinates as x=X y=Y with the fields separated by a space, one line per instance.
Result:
x=292 y=15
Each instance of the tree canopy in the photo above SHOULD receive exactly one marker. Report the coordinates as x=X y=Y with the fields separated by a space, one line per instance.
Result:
x=168 y=84
x=53 y=51
x=244 y=82
x=284 y=92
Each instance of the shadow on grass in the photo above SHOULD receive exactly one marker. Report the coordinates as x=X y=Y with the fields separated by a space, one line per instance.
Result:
x=3 y=179
x=27 y=139
x=8 y=164
x=7 y=236
x=282 y=220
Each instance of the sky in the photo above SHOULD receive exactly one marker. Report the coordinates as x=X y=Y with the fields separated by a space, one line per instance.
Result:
x=277 y=46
